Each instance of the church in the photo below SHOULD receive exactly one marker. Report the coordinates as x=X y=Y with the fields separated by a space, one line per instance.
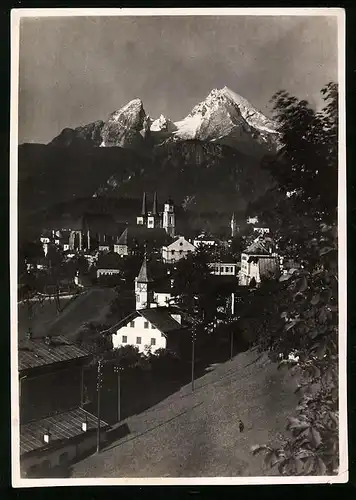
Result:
x=156 y=219
x=152 y=325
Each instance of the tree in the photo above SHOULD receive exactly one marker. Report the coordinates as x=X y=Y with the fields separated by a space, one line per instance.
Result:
x=298 y=316
x=306 y=163
x=193 y=285
x=95 y=338
x=305 y=174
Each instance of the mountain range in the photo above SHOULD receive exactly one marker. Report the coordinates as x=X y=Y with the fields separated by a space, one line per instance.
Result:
x=208 y=161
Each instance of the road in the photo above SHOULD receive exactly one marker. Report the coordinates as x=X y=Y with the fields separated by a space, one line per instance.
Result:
x=196 y=434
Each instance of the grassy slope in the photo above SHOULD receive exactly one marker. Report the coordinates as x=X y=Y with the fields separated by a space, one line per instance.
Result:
x=92 y=305
x=196 y=434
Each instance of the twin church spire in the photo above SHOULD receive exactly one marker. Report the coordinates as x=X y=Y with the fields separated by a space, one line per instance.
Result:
x=155 y=219
x=144 y=205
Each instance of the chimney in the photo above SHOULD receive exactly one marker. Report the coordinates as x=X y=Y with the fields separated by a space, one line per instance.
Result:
x=85 y=425
x=47 y=340
x=47 y=436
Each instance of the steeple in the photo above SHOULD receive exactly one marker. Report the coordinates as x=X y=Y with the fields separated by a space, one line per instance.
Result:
x=154 y=208
x=143 y=275
x=233 y=226
x=143 y=291
x=144 y=207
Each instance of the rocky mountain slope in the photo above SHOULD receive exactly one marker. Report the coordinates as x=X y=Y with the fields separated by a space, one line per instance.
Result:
x=223 y=117
x=207 y=162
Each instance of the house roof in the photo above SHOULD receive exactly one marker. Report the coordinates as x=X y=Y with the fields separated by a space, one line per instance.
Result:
x=141 y=234
x=33 y=353
x=181 y=241
x=109 y=261
x=258 y=247
x=62 y=426
x=160 y=317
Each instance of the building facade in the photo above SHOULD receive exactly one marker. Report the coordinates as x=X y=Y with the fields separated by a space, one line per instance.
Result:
x=55 y=429
x=179 y=249
x=258 y=261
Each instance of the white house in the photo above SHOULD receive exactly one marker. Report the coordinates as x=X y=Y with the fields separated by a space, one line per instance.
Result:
x=261 y=230
x=177 y=250
x=150 y=326
x=252 y=220
x=224 y=268
x=258 y=261
x=204 y=240
x=154 y=328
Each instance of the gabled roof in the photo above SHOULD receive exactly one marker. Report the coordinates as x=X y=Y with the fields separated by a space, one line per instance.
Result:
x=161 y=319
x=33 y=353
x=257 y=248
x=141 y=234
x=109 y=261
x=175 y=245
x=62 y=426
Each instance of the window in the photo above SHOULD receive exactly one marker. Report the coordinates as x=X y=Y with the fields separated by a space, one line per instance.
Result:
x=153 y=341
x=138 y=340
x=180 y=251
x=173 y=252
x=124 y=339
x=181 y=243
x=146 y=324
x=132 y=324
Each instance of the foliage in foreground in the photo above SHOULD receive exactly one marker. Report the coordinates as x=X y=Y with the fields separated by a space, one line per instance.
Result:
x=299 y=314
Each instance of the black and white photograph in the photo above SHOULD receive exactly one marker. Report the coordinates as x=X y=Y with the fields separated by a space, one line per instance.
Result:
x=178 y=246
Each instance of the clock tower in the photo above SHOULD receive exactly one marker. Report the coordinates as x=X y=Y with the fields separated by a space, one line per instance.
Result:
x=143 y=291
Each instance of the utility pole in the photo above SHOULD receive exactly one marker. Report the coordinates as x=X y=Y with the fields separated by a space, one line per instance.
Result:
x=232 y=331
x=193 y=354
x=118 y=369
x=98 y=388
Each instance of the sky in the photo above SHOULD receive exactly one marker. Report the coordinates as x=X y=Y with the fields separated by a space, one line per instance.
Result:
x=75 y=70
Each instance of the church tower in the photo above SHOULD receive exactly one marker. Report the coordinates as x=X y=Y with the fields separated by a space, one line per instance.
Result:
x=169 y=222
x=142 y=219
x=143 y=287
x=153 y=217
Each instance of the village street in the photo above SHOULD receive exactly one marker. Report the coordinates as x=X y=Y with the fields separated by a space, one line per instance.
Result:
x=197 y=434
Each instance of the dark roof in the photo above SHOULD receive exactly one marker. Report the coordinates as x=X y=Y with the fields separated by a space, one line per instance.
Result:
x=143 y=275
x=109 y=261
x=62 y=426
x=161 y=319
x=33 y=353
x=141 y=234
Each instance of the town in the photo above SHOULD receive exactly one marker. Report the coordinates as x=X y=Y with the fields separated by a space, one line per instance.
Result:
x=177 y=241
x=138 y=274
